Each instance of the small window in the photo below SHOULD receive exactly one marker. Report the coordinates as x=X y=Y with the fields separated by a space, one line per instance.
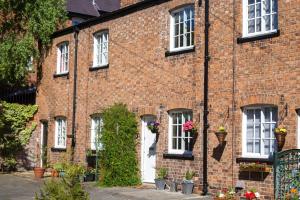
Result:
x=100 y=49
x=260 y=17
x=60 y=132
x=180 y=141
x=29 y=66
x=258 y=131
x=182 y=29
x=96 y=130
x=62 y=58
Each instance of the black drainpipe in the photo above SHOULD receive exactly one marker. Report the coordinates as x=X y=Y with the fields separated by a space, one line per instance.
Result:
x=76 y=32
x=205 y=114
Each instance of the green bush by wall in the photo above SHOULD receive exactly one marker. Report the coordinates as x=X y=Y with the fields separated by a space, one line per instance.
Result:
x=118 y=159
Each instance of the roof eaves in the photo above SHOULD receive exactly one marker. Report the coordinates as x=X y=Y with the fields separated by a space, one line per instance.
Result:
x=110 y=16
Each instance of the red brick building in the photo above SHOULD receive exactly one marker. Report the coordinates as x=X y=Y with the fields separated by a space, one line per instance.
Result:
x=150 y=54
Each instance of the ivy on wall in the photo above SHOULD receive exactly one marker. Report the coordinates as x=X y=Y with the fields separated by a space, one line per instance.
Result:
x=118 y=159
x=15 y=131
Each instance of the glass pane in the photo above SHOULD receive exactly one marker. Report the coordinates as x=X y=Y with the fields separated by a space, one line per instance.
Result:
x=179 y=118
x=188 y=39
x=186 y=144
x=250 y=117
x=257 y=131
x=181 y=28
x=250 y=132
x=174 y=131
x=181 y=17
x=257 y=116
x=251 y=26
x=251 y=11
x=174 y=143
x=179 y=130
x=258 y=10
x=250 y=146
x=274 y=22
x=274 y=115
x=267 y=130
x=192 y=43
x=188 y=14
x=176 y=16
x=272 y=130
x=179 y=143
x=251 y=1
x=266 y=147
x=177 y=29
x=267 y=6
x=267 y=22
x=174 y=116
x=258 y=25
x=193 y=25
x=257 y=146
x=188 y=26
x=267 y=113
x=274 y=5
x=176 y=39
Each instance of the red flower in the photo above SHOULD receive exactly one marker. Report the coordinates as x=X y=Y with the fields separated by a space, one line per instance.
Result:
x=250 y=195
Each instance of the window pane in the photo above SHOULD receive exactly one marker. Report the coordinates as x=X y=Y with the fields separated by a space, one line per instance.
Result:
x=274 y=22
x=258 y=24
x=175 y=131
x=251 y=11
x=188 y=39
x=176 y=39
x=177 y=29
x=174 y=143
x=251 y=1
x=266 y=147
x=181 y=28
x=174 y=117
x=181 y=17
x=267 y=6
x=257 y=131
x=250 y=132
x=250 y=146
x=274 y=5
x=179 y=143
x=257 y=146
x=251 y=26
x=179 y=118
x=258 y=10
x=267 y=130
x=267 y=113
x=179 y=130
x=192 y=43
x=176 y=16
x=250 y=117
x=267 y=22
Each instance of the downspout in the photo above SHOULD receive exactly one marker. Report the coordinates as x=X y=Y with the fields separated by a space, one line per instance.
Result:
x=205 y=109
x=76 y=32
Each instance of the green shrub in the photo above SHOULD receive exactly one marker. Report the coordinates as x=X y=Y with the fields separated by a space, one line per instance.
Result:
x=118 y=158
x=162 y=173
x=66 y=188
x=189 y=175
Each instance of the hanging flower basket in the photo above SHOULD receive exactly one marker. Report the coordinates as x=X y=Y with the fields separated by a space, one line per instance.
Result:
x=255 y=167
x=221 y=134
x=153 y=126
x=280 y=134
x=189 y=126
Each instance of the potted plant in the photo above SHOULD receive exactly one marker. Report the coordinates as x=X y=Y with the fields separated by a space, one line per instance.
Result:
x=189 y=126
x=38 y=170
x=89 y=174
x=160 y=181
x=252 y=194
x=226 y=194
x=153 y=126
x=221 y=134
x=188 y=183
x=280 y=134
x=255 y=167
x=57 y=168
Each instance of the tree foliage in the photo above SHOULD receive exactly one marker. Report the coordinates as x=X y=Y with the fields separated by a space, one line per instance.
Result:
x=118 y=157
x=25 y=30
x=15 y=131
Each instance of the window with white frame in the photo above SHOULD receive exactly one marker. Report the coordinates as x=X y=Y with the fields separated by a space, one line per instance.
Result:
x=259 y=17
x=96 y=129
x=298 y=128
x=182 y=28
x=62 y=58
x=180 y=141
x=100 y=49
x=60 y=132
x=258 y=131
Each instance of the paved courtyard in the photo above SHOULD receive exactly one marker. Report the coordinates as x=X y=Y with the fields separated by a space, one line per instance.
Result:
x=23 y=187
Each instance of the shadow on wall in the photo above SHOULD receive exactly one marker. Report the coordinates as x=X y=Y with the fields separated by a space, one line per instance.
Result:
x=218 y=151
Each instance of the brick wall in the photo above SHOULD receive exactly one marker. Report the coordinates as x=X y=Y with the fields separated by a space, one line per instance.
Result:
x=125 y=3
x=141 y=76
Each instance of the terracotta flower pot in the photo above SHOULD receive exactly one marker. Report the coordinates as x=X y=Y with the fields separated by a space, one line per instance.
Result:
x=54 y=173
x=221 y=135
x=39 y=172
x=280 y=137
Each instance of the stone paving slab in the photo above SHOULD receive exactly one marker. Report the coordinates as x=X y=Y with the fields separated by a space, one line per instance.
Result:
x=22 y=186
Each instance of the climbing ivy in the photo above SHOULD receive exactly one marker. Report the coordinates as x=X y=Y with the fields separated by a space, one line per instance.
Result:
x=118 y=159
x=15 y=131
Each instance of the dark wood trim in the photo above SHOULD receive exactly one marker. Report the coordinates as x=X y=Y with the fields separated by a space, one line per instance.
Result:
x=178 y=156
x=54 y=149
x=61 y=75
x=110 y=16
x=174 y=53
x=259 y=160
x=241 y=40
x=91 y=69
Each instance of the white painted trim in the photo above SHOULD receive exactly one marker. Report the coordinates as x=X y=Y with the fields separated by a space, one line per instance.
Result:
x=56 y=132
x=41 y=143
x=58 y=61
x=95 y=50
x=298 y=129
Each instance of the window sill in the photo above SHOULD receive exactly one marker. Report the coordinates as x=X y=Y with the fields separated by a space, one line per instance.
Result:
x=180 y=51
x=178 y=156
x=98 y=67
x=58 y=149
x=258 y=37
x=260 y=160
x=61 y=75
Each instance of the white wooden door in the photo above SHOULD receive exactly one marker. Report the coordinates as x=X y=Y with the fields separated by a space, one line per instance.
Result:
x=148 y=152
x=298 y=129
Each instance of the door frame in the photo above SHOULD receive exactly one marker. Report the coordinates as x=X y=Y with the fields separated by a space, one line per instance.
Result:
x=144 y=125
x=43 y=139
x=298 y=129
